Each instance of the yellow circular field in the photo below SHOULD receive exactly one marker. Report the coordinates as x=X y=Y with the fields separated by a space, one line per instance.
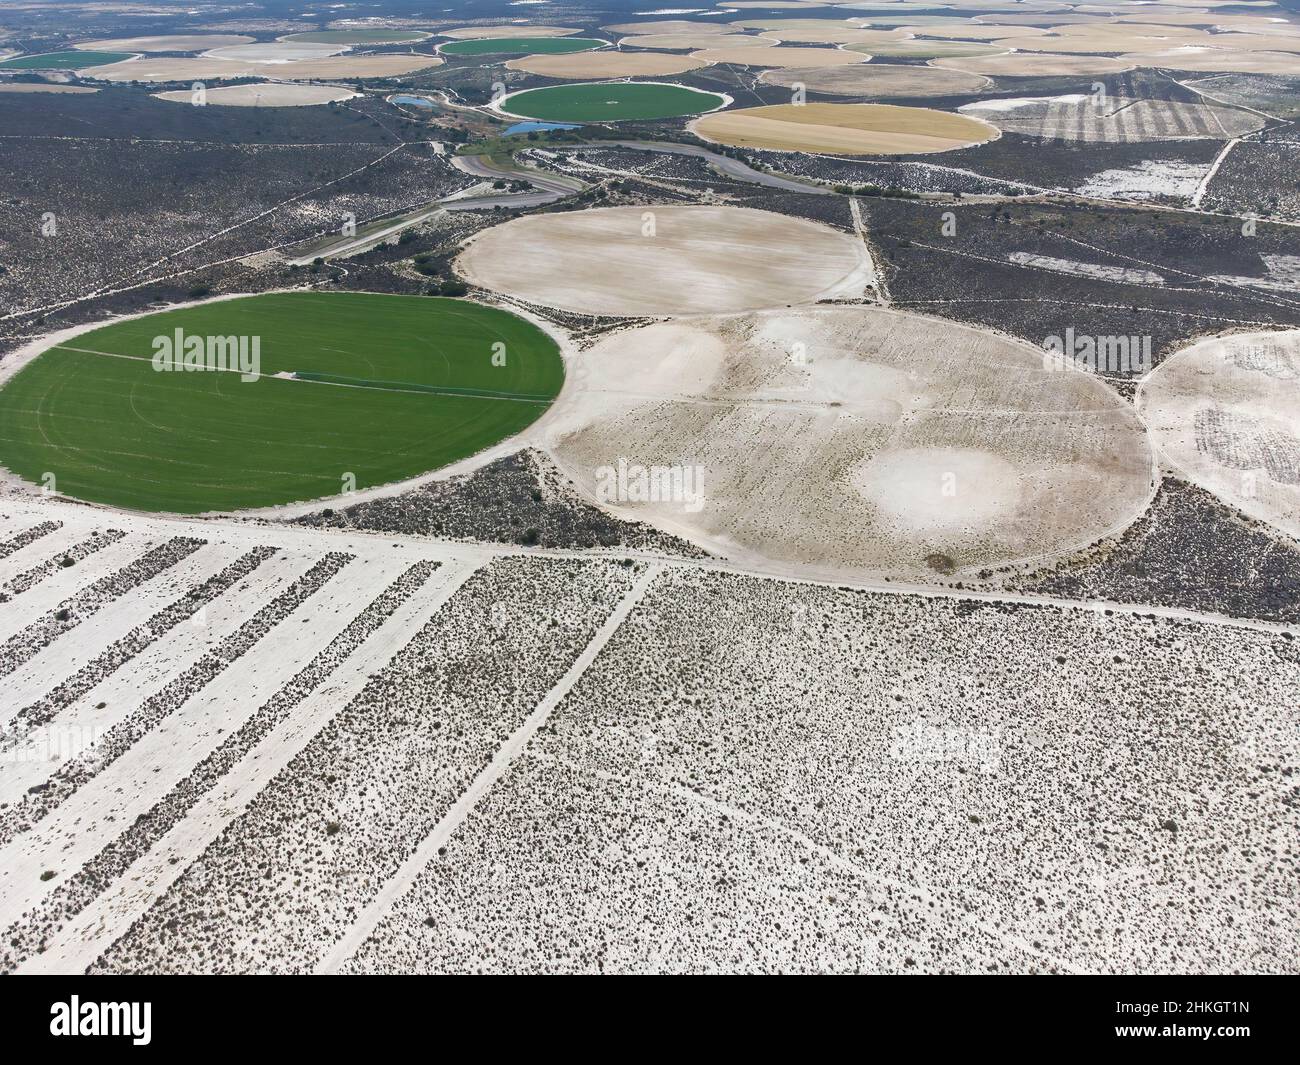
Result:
x=880 y=80
x=844 y=129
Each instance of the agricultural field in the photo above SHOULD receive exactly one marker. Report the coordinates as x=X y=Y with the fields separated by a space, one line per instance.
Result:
x=98 y=413
x=885 y=442
x=879 y=80
x=586 y=65
x=75 y=60
x=583 y=487
x=706 y=258
x=1223 y=414
x=263 y=94
x=612 y=102
x=359 y=36
x=844 y=129
x=522 y=46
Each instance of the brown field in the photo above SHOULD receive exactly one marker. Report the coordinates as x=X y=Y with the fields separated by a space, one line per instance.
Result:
x=1035 y=65
x=176 y=42
x=856 y=440
x=844 y=129
x=1225 y=414
x=476 y=33
x=200 y=69
x=880 y=80
x=591 y=66
x=263 y=94
x=781 y=57
x=1078 y=118
x=696 y=259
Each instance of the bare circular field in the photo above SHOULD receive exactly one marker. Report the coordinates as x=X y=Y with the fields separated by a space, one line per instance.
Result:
x=174 y=42
x=880 y=80
x=781 y=57
x=1215 y=60
x=594 y=66
x=789 y=28
x=1225 y=414
x=1093 y=44
x=1036 y=65
x=1253 y=42
x=200 y=69
x=43 y=86
x=474 y=33
x=1079 y=117
x=837 y=35
x=275 y=51
x=665 y=26
x=1037 y=18
x=851 y=440
x=844 y=129
x=265 y=94
x=626 y=261
x=913 y=49
x=1242 y=23
x=690 y=41
x=971 y=32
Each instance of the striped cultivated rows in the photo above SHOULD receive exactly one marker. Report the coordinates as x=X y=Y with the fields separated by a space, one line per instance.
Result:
x=1082 y=117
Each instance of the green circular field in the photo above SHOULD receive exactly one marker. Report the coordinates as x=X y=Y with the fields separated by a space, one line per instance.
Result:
x=345 y=385
x=380 y=36
x=610 y=101
x=73 y=60
x=522 y=46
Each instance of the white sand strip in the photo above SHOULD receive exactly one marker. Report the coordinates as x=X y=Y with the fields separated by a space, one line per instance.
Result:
x=505 y=755
x=40 y=550
x=109 y=916
x=20 y=612
x=76 y=831
x=83 y=722
x=63 y=658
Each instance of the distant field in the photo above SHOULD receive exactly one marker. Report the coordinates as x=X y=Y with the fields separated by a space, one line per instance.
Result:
x=73 y=60
x=522 y=46
x=422 y=392
x=358 y=36
x=602 y=102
